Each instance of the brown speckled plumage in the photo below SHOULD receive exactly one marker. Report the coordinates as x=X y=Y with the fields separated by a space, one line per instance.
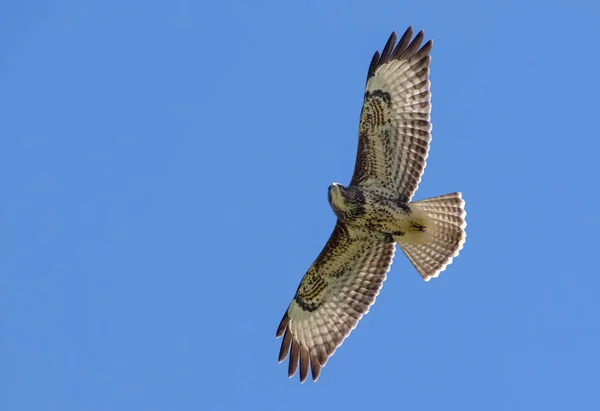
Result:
x=374 y=212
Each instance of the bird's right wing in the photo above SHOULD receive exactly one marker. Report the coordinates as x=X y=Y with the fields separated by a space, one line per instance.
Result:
x=394 y=129
x=337 y=290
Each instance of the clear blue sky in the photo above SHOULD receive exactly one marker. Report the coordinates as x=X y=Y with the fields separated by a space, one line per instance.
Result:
x=164 y=170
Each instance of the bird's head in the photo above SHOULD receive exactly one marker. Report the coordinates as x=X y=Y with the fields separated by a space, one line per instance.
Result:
x=342 y=199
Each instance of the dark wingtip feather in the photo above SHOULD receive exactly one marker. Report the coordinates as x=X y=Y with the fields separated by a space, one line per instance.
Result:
x=403 y=43
x=285 y=346
x=373 y=66
x=389 y=47
x=423 y=51
x=322 y=350
x=294 y=357
x=315 y=367
x=413 y=47
x=304 y=363
x=282 y=325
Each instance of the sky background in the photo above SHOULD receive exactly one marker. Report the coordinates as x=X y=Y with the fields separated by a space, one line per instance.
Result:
x=164 y=170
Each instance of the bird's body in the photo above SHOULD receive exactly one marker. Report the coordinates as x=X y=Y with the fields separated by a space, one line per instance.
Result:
x=379 y=210
x=375 y=212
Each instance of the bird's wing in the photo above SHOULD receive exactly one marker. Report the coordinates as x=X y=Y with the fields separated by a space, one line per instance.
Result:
x=337 y=290
x=394 y=129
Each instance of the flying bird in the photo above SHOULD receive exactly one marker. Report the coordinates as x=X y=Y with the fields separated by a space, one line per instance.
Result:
x=375 y=212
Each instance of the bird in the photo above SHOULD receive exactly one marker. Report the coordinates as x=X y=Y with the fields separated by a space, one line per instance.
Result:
x=375 y=212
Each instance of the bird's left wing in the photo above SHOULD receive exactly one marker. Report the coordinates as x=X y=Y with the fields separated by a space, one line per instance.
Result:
x=333 y=295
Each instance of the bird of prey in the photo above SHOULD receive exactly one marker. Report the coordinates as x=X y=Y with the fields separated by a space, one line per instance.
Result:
x=375 y=211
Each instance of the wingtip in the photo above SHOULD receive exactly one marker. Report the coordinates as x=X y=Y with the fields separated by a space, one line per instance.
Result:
x=285 y=346
x=282 y=325
x=294 y=359
x=388 y=48
x=304 y=363
x=315 y=369
x=373 y=65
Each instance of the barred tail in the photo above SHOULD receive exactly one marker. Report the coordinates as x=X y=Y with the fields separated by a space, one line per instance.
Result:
x=447 y=213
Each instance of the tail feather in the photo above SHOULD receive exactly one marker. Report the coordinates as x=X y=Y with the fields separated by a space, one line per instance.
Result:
x=448 y=215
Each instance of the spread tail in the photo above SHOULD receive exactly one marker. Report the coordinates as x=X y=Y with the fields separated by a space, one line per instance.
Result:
x=445 y=234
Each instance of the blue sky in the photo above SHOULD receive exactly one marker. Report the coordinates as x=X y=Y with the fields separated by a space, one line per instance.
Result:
x=164 y=169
